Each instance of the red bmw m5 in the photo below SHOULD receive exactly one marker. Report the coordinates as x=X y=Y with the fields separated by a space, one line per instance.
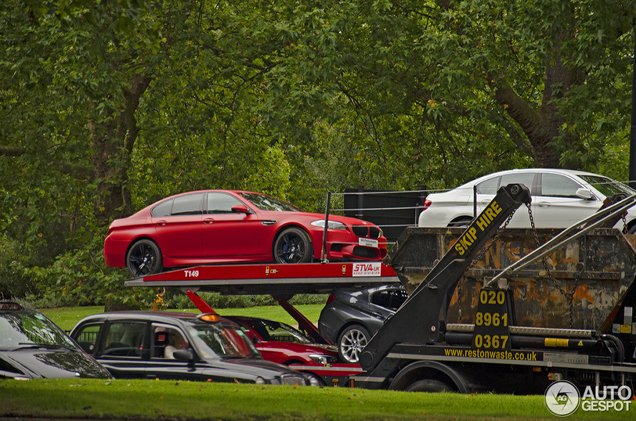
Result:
x=228 y=226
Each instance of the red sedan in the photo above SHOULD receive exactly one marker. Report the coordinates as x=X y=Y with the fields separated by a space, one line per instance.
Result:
x=228 y=226
x=283 y=344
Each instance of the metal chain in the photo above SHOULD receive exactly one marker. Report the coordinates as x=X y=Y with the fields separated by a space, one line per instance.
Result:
x=569 y=295
x=624 y=218
x=495 y=237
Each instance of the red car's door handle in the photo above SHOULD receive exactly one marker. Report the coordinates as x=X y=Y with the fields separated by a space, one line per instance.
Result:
x=208 y=221
x=161 y=223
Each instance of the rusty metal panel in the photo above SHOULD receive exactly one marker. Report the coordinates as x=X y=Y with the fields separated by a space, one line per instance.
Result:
x=607 y=256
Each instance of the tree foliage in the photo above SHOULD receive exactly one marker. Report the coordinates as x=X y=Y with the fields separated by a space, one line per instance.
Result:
x=109 y=105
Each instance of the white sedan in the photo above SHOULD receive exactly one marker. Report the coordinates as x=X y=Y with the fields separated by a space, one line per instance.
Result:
x=560 y=198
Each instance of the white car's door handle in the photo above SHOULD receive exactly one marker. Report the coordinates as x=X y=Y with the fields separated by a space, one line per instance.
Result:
x=546 y=204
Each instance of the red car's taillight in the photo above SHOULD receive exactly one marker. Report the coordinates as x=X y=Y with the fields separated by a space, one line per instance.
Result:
x=427 y=204
x=331 y=299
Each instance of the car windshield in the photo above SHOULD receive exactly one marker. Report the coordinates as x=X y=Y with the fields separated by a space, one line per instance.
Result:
x=268 y=203
x=223 y=340
x=25 y=330
x=275 y=331
x=607 y=186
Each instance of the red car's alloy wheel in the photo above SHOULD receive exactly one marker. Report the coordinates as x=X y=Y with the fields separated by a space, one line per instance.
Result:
x=144 y=258
x=293 y=246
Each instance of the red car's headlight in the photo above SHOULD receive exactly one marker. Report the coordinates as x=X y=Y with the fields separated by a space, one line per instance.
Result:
x=333 y=225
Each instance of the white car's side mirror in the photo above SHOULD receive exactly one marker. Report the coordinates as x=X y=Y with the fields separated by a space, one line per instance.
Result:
x=584 y=194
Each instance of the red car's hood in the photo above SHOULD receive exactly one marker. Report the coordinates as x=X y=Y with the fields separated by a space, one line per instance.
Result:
x=313 y=216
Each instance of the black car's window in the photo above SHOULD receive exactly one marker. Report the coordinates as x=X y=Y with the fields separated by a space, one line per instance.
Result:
x=162 y=209
x=556 y=185
x=189 y=204
x=526 y=179
x=166 y=339
x=607 y=186
x=26 y=329
x=124 y=339
x=86 y=337
x=390 y=298
x=489 y=186
x=268 y=203
x=221 y=203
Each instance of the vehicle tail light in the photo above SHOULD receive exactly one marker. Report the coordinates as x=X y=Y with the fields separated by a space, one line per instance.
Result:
x=427 y=204
x=331 y=299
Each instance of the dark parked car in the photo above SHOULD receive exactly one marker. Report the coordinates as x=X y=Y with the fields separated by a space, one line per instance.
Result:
x=33 y=347
x=351 y=317
x=178 y=346
x=226 y=226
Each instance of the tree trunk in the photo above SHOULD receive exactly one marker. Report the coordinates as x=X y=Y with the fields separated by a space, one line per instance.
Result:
x=112 y=143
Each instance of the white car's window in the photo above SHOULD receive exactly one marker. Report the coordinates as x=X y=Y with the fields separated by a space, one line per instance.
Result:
x=222 y=203
x=488 y=186
x=555 y=185
x=526 y=179
x=607 y=186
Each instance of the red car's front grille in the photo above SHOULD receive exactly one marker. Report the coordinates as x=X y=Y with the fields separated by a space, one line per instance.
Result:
x=366 y=231
x=360 y=230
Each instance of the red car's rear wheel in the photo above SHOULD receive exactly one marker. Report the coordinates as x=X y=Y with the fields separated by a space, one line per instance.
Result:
x=144 y=258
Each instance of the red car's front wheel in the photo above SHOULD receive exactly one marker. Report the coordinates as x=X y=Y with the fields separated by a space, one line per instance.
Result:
x=293 y=246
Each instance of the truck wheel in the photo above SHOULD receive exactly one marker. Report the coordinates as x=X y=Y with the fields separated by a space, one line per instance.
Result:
x=351 y=342
x=144 y=258
x=430 y=386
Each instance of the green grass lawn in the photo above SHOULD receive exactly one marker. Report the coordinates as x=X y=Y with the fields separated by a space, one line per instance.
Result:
x=148 y=399
x=67 y=317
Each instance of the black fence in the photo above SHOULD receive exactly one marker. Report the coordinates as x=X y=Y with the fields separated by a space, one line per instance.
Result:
x=392 y=211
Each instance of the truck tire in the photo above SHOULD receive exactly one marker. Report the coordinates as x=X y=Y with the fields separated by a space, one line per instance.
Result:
x=430 y=386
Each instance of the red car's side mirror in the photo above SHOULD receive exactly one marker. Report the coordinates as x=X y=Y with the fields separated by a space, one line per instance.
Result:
x=239 y=209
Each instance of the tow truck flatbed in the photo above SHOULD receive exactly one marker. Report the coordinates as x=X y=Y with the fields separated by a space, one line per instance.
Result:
x=273 y=279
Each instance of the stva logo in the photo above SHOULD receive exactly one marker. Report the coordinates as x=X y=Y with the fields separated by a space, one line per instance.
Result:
x=367 y=269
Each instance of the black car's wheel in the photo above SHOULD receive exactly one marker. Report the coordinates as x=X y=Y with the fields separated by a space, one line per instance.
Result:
x=429 y=385
x=351 y=342
x=293 y=246
x=144 y=258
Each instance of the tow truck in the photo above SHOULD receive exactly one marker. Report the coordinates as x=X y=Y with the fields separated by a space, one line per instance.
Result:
x=281 y=281
x=420 y=349
x=489 y=308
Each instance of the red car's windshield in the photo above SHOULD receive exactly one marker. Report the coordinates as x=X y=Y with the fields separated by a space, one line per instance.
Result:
x=268 y=203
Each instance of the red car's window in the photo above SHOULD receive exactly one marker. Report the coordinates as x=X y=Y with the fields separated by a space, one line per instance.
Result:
x=189 y=204
x=268 y=203
x=162 y=209
x=221 y=203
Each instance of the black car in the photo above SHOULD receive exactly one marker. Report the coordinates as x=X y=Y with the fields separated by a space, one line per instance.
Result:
x=351 y=317
x=177 y=346
x=33 y=347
